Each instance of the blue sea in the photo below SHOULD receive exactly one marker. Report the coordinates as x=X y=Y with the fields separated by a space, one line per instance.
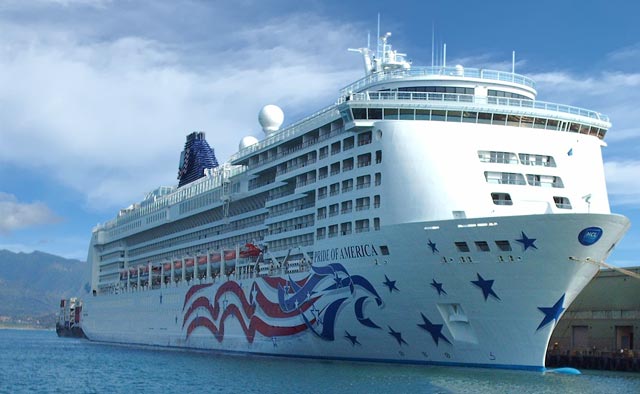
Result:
x=40 y=362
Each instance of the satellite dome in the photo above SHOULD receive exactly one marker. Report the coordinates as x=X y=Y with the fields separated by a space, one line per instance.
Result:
x=270 y=118
x=247 y=141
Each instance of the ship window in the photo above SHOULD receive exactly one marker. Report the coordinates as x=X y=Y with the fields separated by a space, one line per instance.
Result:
x=384 y=250
x=513 y=120
x=359 y=113
x=348 y=143
x=552 y=124
x=322 y=192
x=453 y=116
x=540 y=123
x=499 y=119
x=484 y=117
x=320 y=233
x=347 y=164
x=364 y=138
x=422 y=114
x=504 y=178
x=562 y=202
x=438 y=115
x=501 y=199
x=497 y=157
x=375 y=113
x=504 y=246
x=544 y=180
x=482 y=246
x=469 y=117
x=362 y=226
x=376 y=224
x=391 y=113
x=406 y=114
x=462 y=247
x=537 y=160
x=526 y=121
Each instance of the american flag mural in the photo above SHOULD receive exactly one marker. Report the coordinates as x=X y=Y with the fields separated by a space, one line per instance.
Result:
x=276 y=306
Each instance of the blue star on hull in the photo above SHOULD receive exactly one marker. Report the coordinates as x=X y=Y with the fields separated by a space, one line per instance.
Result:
x=352 y=338
x=391 y=284
x=433 y=247
x=485 y=285
x=434 y=329
x=552 y=313
x=438 y=287
x=398 y=336
x=527 y=242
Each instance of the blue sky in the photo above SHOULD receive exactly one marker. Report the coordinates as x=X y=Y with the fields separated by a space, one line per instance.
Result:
x=96 y=96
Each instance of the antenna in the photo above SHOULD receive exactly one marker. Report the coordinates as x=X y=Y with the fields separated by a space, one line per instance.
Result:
x=433 y=35
x=368 y=39
x=378 y=37
x=444 y=56
x=513 y=62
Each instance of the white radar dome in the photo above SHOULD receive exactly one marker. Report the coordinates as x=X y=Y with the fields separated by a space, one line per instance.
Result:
x=247 y=141
x=270 y=118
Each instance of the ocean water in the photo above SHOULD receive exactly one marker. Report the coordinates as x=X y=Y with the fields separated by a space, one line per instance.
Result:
x=40 y=362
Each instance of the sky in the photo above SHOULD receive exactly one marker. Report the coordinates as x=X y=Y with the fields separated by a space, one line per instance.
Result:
x=97 y=96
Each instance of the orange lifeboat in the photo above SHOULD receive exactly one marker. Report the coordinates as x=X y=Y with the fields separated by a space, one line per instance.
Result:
x=250 y=250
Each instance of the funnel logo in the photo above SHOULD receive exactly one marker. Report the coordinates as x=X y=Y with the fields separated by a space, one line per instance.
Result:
x=590 y=235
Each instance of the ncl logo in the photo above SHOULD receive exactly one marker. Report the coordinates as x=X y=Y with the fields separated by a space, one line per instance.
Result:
x=590 y=235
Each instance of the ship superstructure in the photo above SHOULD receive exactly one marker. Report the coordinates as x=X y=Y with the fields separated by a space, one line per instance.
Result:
x=431 y=215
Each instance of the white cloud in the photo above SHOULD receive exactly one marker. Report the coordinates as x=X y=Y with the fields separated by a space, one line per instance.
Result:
x=108 y=118
x=623 y=182
x=16 y=215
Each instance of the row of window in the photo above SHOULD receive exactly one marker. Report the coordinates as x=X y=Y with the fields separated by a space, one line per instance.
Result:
x=361 y=204
x=361 y=182
x=346 y=228
x=512 y=178
x=505 y=199
x=528 y=159
x=500 y=93
x=483 y=246
x=474 y=117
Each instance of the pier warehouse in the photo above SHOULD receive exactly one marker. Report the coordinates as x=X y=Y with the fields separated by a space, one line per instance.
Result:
x=602 y=325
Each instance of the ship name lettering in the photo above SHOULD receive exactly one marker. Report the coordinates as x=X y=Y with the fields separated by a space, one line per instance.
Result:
x=346 y=252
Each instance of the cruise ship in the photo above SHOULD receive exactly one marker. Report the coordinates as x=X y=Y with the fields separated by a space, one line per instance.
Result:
x=431 y=215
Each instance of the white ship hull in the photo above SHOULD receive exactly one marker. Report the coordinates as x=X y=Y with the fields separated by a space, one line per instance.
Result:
x=403 y=294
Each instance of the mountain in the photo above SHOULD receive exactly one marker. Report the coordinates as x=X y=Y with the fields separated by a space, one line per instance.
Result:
x=32 y=284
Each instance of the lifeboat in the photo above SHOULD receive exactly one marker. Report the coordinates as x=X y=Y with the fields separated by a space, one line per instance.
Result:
x=167 y=267
x=250 y=250
x=215 y=257
x=189 y=263
x=202 y=260
x=177 y=264
x=229 y=255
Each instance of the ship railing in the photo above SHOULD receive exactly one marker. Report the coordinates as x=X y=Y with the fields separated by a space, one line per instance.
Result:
x=478 y=100
x=458 y=72
x=290 y=131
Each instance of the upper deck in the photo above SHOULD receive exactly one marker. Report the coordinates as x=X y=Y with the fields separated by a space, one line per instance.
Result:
x=440 y=73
